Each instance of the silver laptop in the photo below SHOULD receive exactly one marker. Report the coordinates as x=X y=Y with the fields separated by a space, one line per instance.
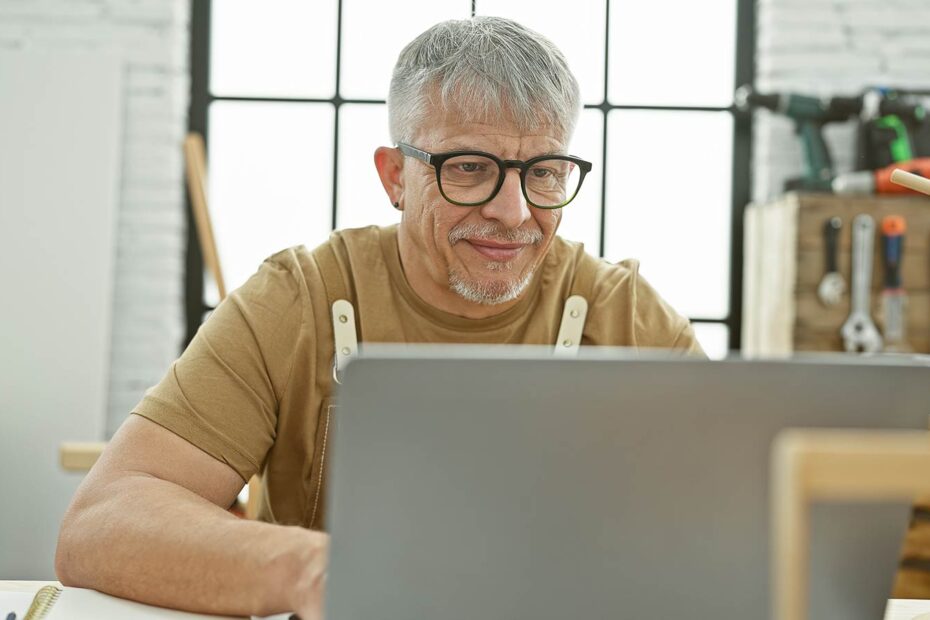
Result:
x=504 y=483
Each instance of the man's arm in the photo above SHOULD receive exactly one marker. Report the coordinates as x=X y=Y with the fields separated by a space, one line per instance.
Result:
x=149 y=523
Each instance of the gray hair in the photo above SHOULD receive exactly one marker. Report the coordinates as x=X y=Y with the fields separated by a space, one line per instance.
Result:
x=483 y=68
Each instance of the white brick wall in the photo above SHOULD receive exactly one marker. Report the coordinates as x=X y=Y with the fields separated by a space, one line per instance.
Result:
x=830 y=47
x=152 y=37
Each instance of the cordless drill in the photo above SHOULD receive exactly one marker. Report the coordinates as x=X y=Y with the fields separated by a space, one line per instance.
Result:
x=809 y=114
x=893 y=128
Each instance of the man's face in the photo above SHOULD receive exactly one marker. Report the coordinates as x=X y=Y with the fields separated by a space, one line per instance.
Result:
x=484 y=255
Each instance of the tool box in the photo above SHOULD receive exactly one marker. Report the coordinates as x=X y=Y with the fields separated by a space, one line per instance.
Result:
x=785 y=260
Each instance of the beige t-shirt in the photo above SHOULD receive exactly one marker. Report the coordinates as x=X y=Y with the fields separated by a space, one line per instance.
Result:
x=253 y=388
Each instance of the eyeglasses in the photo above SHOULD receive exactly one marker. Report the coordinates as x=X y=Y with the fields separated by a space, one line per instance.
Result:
x=473 y=178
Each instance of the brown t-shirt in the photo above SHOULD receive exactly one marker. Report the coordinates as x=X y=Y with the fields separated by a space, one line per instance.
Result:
x=253 y=388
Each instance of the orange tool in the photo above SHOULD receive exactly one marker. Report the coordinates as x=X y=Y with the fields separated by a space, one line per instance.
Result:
x=879 y=181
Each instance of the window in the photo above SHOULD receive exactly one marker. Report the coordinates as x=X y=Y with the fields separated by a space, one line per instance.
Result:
x=293 y=94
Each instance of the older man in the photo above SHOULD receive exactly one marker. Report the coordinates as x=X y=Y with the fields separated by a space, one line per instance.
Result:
x=481 y=112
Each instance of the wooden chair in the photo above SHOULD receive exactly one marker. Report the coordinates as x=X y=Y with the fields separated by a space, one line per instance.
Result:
x=833 y=465
x=81 y=456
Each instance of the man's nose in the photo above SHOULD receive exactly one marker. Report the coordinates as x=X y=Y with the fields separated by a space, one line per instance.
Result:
x=509 y=206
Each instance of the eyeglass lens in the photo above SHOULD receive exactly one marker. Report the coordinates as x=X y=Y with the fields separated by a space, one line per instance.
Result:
x=471 y=179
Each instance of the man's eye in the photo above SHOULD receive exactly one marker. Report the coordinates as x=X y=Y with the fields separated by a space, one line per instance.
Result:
x=541 y=173
x=470 y=166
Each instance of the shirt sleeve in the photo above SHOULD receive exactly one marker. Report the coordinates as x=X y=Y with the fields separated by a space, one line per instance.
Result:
x=628 y=311
x=222 y=394
x=656 y=324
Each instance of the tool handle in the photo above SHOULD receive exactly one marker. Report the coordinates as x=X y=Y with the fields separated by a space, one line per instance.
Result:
x=863 y=238
x=816 y=154
x=831 y=233
x=893 y=228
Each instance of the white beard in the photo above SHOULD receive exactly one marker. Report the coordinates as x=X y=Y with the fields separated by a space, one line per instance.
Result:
x=495 y=292
x=489 y=293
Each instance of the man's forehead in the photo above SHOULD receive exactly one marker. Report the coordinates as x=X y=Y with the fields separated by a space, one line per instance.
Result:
x=453 y=133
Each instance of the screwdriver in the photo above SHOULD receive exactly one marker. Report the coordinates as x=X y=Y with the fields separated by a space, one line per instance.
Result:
x=894 y=297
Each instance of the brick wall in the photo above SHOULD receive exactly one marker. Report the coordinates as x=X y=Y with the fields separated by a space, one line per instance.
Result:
x=831 y=47
x=152 y=36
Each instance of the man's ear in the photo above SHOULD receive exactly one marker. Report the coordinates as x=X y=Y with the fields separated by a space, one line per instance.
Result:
x=390 y=165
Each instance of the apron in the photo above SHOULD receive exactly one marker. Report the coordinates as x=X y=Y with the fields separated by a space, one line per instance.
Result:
x=345 y=346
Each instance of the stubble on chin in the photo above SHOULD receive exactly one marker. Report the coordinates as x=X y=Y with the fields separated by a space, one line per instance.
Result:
x=496 y=291
x=488 y=292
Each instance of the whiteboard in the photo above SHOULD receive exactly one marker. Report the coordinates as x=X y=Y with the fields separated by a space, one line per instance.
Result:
x=60 y=133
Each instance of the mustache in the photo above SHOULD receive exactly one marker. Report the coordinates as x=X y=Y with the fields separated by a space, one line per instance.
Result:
x=490 y=232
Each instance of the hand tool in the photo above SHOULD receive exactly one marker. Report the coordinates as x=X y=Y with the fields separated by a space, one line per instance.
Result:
x=894 y=297
x=832 y=286
x=859 y=332
x=913 y=181
x=879 y=181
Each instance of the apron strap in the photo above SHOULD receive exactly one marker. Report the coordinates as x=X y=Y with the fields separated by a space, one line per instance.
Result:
x=575 y=312
x=573 y=316
x=345 y=335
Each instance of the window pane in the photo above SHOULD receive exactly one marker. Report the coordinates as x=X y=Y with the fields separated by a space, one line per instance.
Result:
x=374 y=33
x=581 y=220
x=676 y=52
x=362 y=200
x=714 y=338
x=273 y=48
x=577 y=30
x=673 y=214
x=271 y=180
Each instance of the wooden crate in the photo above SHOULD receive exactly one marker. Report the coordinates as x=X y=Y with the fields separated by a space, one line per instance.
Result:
x=784 y=260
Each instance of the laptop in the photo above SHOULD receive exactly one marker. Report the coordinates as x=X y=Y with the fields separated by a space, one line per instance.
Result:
x=505 y=483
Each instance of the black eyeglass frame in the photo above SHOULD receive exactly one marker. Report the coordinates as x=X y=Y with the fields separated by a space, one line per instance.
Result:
x=436 y=160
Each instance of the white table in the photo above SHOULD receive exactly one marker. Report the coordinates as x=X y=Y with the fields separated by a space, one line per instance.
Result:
x=82 y=604
x=14 y=592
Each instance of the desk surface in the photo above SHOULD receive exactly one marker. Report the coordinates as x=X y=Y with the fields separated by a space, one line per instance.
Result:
x=907 y=609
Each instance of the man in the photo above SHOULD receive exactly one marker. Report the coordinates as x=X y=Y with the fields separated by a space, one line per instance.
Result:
x=481 y=111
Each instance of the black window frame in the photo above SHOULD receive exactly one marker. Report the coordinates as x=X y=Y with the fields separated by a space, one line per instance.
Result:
x=201 y=98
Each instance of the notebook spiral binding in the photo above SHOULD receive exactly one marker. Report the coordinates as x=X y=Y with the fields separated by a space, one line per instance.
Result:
x=42 y=603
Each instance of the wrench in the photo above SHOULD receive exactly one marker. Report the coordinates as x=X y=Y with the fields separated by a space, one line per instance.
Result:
x=859 y=332
x=832 y=286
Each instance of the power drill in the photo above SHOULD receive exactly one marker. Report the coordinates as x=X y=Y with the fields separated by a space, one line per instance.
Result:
x=893 y=128
x=809 y=114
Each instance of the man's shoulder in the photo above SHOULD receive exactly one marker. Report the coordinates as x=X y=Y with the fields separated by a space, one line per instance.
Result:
x=353 y=238
x=344 y=243
x=604 y=277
